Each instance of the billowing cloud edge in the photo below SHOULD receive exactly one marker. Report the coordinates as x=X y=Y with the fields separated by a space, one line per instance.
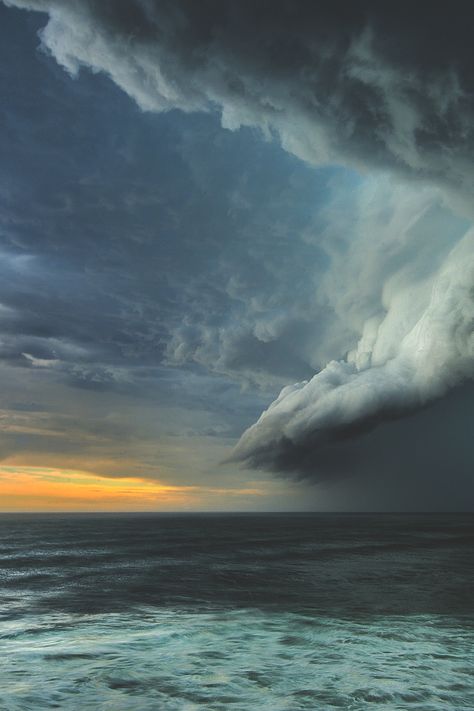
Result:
x=358 y=108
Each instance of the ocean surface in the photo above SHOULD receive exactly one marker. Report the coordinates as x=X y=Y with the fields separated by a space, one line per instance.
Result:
x=240 y=612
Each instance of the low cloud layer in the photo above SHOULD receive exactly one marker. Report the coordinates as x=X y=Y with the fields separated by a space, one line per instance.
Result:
x=402 y=361
x=373 y=293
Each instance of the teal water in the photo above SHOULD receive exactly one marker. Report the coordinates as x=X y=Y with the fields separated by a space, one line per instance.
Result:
x=244 y=613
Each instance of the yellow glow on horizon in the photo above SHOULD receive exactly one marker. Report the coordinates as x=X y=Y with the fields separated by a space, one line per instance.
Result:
x=26 y=488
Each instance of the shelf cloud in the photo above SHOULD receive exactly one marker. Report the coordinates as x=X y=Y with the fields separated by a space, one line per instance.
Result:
x=388 y=310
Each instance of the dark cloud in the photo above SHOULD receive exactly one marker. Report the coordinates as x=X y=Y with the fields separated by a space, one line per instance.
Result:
x=375 y=282
x=420 y=461
x=148 y=247
x=366 y=83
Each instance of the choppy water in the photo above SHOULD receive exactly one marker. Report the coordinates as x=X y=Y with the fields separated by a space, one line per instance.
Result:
x=237 y=612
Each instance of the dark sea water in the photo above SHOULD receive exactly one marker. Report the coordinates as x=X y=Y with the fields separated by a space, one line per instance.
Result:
x=240 y=612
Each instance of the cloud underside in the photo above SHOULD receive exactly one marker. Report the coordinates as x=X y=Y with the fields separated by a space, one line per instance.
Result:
x=375 y=88
x=346 y=398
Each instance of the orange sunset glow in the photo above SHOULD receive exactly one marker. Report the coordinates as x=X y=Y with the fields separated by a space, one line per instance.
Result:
x=54 y=489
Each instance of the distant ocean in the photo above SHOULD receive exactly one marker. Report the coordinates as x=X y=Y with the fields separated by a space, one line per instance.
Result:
x=240 y=612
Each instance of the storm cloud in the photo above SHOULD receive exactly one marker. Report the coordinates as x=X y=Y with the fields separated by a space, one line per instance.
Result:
x=336 y=82
x=371 y=300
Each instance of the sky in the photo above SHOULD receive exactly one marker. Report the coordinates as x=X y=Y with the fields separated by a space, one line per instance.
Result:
x=237 y=255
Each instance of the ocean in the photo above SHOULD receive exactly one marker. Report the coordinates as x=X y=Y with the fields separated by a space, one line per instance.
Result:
x=236 y=611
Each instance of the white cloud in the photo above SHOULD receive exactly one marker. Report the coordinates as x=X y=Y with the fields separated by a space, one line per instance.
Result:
x=398 y=365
